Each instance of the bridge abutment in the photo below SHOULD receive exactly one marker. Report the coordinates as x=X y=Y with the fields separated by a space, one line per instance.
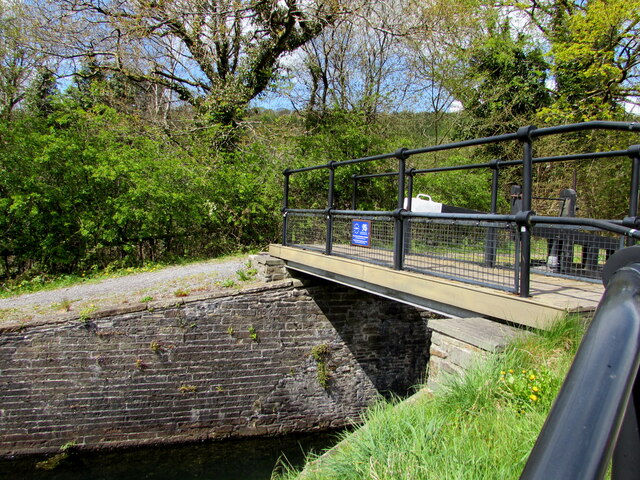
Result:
x=273 y=359
x=457 y=343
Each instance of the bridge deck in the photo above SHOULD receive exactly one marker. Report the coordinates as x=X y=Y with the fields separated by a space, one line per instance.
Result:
x=551 y=296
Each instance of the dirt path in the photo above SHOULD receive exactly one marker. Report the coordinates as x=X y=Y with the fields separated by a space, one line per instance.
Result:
x=170 y=282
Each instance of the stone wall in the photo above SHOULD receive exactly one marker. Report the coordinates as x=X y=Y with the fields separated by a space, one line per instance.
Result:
x=272 y=359
x=457 y=343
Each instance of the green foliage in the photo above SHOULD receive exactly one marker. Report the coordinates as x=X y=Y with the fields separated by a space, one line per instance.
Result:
x=253 y=333
x=445 y=187
x=229 y=283
x=504 y=86
x=140 y=364
x=320 y=353
x=595 y=54
x=59 y=459
x=339 y=135
x=89 y=184
x=524 y=389
x=86 y=189
x=85 y=314
x=69 y=446
x=187 y=389
x=246 y=275
x=40 y=95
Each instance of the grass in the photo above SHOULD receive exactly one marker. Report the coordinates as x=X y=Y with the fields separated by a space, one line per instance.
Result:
x=480 y=426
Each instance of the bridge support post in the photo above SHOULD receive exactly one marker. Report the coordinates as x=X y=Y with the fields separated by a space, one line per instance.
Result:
x=330 y=200
x=285 y=206
x=524 y=134
x=398 y=235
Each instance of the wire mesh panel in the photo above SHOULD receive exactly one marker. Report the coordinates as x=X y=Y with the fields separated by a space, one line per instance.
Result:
x=378 y=248
x=307 y=230
x=474 y=252
x=478 y=252
x=571 y=251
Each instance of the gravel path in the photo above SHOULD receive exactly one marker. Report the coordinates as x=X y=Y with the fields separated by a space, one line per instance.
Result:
x=193 y=278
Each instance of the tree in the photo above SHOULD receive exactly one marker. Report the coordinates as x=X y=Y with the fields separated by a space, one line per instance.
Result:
x=356 y=65
x=594 y=49
x=214 y=55
x=41 y=92
x=505 y=83
x=18 y=58
x=438 y=43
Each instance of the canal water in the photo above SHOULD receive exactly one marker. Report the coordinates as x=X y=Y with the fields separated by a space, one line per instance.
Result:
x=252 y=459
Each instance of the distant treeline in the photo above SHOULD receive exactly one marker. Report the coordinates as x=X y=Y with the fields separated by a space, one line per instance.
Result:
x=88 y=188
x=139 y=139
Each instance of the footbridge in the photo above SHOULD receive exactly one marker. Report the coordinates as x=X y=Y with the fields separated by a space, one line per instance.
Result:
x=517 y=266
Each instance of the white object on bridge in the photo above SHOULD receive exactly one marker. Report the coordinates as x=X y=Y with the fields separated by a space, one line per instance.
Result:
x=423 y=203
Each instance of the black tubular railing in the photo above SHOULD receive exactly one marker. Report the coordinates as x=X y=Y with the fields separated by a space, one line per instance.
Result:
x=513 y=234
x=594 y=419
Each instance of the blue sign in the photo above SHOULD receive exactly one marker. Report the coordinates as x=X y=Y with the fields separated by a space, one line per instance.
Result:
x=361 y=233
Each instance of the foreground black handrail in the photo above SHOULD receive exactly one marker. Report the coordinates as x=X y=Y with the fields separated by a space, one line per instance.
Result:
x=594 y=417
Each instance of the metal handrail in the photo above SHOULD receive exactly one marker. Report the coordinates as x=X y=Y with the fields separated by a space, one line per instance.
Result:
x=594 y=417
x=525 y=219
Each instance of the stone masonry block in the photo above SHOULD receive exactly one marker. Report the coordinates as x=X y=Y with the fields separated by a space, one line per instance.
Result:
x=241 y=366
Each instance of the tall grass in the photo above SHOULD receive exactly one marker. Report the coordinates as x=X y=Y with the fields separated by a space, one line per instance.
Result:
x=481 y=425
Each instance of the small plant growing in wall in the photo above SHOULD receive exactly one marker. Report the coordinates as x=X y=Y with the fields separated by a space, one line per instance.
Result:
x=320 y=354
x=253 y=333
x=54 y=462
x=230 y=331
x=187 y=389
x=155 y=346
x=181 y=292
x=140 y=365
x=246 y=274
x=184 y=325
x=85 y=313
x=229 y=283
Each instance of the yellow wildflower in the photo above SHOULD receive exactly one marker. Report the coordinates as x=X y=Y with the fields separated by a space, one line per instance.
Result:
x=532 y=377
x=535 y=389
x=534 y=398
